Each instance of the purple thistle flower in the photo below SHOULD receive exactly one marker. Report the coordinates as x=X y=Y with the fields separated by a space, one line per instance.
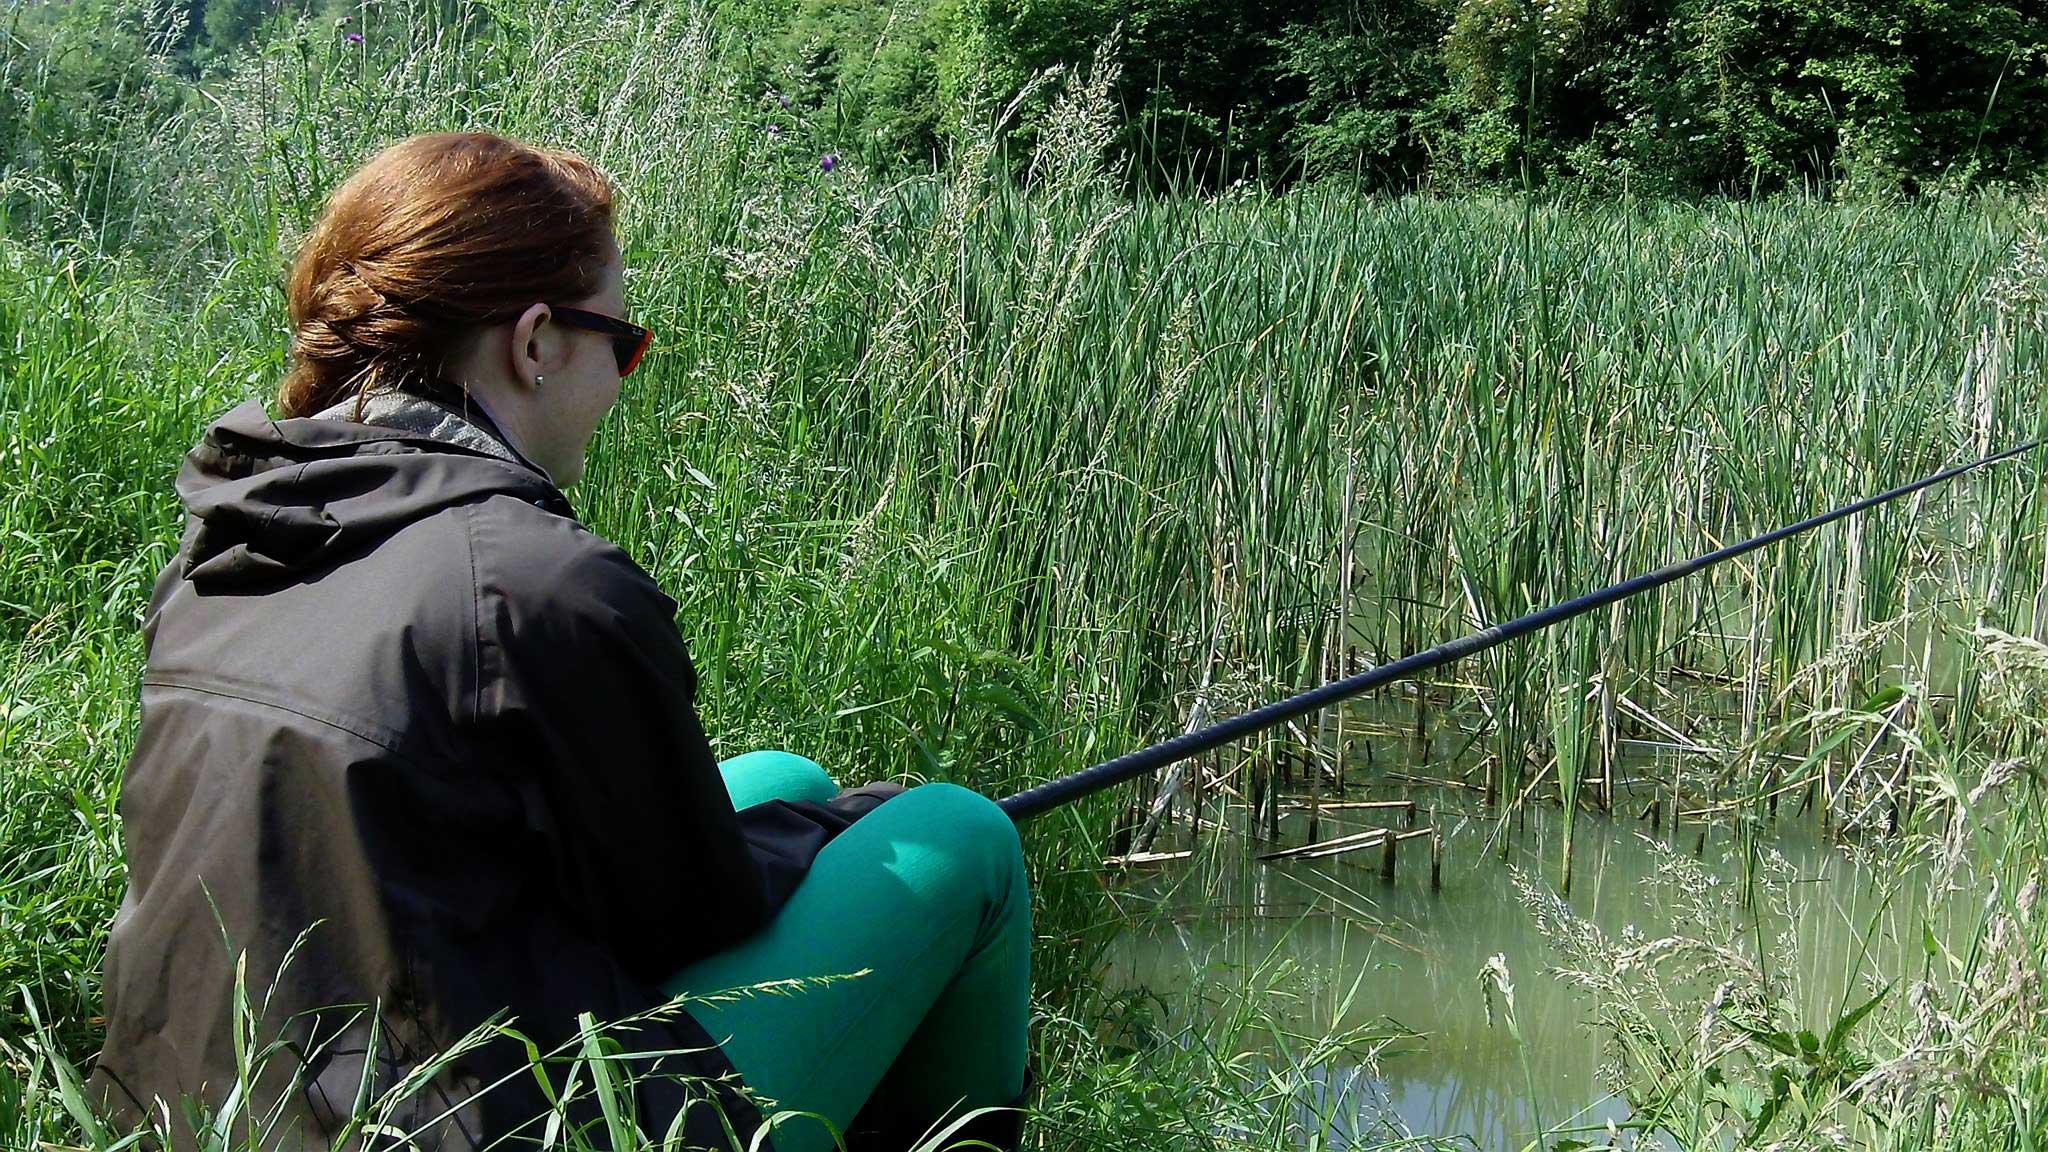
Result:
x=828 y=161
x=344 y=21
x=775 y=131
x=354 y=37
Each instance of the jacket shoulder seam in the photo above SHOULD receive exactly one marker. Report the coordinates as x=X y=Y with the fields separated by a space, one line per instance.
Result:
x=382 y=739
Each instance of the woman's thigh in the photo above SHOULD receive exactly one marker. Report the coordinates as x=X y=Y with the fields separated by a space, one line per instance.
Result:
x=890 y=913
x=758 y=777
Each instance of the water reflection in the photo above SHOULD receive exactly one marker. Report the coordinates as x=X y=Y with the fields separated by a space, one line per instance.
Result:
x=1402 y=957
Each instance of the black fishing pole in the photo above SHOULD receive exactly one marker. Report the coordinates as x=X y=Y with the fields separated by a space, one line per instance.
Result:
x=1053 y=793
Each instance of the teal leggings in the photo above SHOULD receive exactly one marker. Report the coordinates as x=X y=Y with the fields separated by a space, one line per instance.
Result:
x=926 y=894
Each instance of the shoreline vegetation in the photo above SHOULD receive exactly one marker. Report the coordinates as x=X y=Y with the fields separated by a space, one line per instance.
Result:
x=987 y=477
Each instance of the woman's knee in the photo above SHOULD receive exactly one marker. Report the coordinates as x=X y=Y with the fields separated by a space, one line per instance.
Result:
x=968 y=826
x=757 y=777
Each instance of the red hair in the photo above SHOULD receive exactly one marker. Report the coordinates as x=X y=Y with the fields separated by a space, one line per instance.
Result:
x=434 y=237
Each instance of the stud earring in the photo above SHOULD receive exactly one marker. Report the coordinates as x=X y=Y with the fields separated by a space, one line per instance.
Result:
x=537 y=380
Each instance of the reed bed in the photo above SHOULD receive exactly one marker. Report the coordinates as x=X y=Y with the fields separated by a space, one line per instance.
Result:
x=985 y=479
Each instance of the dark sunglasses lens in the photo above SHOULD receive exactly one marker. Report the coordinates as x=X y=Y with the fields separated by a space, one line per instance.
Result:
x=626 y=350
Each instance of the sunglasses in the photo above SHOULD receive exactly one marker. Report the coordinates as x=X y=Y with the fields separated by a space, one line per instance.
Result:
x=629 y=341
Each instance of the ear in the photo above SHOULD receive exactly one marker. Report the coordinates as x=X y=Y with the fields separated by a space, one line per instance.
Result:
x=535 y=346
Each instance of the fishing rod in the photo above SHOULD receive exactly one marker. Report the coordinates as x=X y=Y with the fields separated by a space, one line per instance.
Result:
x=1053 y=793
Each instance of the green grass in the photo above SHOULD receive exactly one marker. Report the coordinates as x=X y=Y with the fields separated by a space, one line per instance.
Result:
x=955 y=478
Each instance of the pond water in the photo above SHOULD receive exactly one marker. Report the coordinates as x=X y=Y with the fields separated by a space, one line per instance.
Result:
x=1403 y=958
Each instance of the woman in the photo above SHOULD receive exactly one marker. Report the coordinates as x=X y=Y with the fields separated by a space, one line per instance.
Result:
x=419 y=753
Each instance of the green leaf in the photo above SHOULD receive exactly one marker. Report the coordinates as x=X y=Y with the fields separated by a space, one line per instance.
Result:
x=1006 y=700
x=614 y=1094
x=1742 y=1099
x=1783 y=1043
x=1839 y=1034
x=70 y=1092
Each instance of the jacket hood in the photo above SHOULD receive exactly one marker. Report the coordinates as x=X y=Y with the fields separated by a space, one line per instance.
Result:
x=272 y=500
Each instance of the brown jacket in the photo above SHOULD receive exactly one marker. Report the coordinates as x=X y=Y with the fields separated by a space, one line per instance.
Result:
x=418 y=752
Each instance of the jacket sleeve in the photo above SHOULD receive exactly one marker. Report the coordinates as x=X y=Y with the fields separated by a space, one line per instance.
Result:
x=592 y=691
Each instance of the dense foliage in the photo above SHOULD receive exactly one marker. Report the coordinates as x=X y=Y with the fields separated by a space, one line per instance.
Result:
x=1655 y=96
x=1659 y=95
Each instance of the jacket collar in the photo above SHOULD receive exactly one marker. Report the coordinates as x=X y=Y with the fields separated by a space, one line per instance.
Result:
x=462 y=423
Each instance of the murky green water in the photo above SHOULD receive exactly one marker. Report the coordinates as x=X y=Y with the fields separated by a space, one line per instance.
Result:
x=1407 y=959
